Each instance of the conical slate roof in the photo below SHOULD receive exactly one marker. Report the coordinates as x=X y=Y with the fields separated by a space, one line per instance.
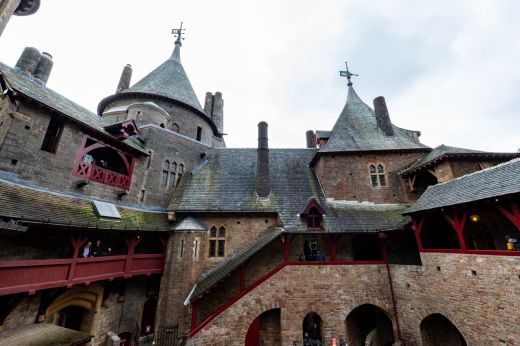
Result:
x=168 y=80
x=356 y=130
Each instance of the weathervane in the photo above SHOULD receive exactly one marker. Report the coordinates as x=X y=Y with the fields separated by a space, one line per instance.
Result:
x=178 y=33
x=347 y=74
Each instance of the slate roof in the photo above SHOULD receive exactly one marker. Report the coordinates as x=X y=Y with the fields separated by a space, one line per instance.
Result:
x=443 y=152
x=30 y=204
x=226 y=182
x=43 y=334
x=27 y=86
x=323 y=134
x=356 y=130
x=190 y=224
x=499 y=180
x=168 y=80
x=366 y=217
x=211 y=277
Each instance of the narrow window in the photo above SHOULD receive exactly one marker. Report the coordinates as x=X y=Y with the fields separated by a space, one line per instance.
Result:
x=314 y=219
x=199 y=133
x=142 y=196
x=217 y=242
x=181 y=172
x=165 y=172
x=181 y=250
x=373 y=175
x=52 y=135
x=196 y=249
x=381 y=174
x=175 y=127
x=173 y=172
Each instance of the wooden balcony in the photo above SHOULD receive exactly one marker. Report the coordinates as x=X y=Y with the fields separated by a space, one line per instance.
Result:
x=92 y=172
x=32 y=275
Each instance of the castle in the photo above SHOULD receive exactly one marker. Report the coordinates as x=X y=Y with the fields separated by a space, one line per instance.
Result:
x=365 y=235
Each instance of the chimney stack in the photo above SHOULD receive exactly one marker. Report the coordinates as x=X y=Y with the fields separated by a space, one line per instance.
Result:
x=382 y=116
x=28 y=61
x=44 y=68
x=262 y=162
x=311 y=139
x=124 y=81
x=214 y=108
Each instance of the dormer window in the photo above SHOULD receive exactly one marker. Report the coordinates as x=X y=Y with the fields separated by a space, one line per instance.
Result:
x=99 y=162
x=313 y=215
x=377 y=175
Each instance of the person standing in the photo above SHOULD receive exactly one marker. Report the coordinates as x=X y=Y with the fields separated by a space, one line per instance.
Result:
x=96 y=249
x=85 y=252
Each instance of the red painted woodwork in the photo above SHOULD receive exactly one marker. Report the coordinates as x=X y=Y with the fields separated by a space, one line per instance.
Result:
x=123 y=129
x=417 y=228
x=89 y=171
x=513 y=215
x=196 y=301
x=458 y=222
x=475 y=252
x=253 y=333
x=32 y=275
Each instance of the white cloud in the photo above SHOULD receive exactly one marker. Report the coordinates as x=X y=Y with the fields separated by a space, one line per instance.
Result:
x=446 y=68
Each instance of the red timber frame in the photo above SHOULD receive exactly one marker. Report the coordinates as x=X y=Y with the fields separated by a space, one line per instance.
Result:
x=32 y=275
x=90 y=171
x=457 y=218
x=285 y=241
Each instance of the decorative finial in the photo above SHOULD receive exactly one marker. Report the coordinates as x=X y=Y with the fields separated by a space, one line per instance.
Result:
x=178 y=34
x=347 y=74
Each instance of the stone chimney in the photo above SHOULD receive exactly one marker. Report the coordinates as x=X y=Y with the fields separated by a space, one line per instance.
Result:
x=124 y=81
x=28 y=61
x=311 y=139
x=382 y=116
x=35 y=64
x=44 y=68
x=214 y=108
x=262 y=162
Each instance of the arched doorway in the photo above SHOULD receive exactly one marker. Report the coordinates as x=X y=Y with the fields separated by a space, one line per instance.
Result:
x=265 y=330
x=312 y=327
x=438 y=330
x=148 y=317
x=369 y=325
x=75 y=317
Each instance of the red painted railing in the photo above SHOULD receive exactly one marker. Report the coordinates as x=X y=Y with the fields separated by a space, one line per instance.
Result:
x=32 y=275
x=91 y=172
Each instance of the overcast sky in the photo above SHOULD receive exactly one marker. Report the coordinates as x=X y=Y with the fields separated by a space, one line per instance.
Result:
x=447 y=68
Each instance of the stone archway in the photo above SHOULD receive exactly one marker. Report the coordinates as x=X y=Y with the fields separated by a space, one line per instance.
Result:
x=436 y=329
x=312 y=326
x=265 y=329
x=369 y=325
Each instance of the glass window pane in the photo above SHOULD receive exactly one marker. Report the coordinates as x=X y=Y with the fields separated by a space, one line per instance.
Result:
x=212 y=248
x=174 y=167
x=222 y=232
x=166 y=165
x=372 y=169
x=172 y=180
x=380 y=169
x=374 y=180
x=164 y=178
x=181 y=168
x=382 y=180
x=221 y=248
x=213 y=232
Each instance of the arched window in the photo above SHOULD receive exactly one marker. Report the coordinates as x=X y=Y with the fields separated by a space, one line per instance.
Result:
x=175 y=127
x=165 y=172
x=377 y=175
x=170 y=176
x=181 y=172
x=217 y=241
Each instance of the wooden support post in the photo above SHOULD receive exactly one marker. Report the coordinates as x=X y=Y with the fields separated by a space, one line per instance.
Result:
x=458 y=224
x=285 y=248
x=131 y=243
x=417 y=225
x=513 y=215
x=77 y=244
x=195 y=306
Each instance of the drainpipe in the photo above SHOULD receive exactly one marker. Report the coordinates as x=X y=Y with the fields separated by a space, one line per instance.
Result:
x=382 y=237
